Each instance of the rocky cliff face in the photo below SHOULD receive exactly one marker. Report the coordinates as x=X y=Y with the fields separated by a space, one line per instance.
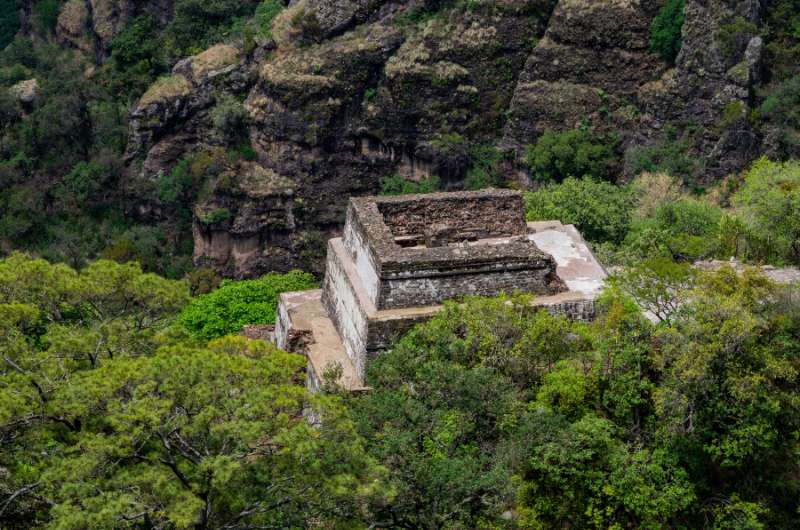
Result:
x=91 y=25
x=351 y=91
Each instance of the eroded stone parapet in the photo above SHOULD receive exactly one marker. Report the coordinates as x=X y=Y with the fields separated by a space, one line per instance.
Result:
x=419 y=250
x=303 y=327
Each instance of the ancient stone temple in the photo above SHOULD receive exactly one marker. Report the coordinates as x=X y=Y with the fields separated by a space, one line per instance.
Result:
x=400 y=257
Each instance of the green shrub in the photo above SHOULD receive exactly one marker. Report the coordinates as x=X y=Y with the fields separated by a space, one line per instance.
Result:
x=782 y=40
x=172 y=185
x=197 y=24
x=9 y=22
x=265 y=14
x=217 y=215
x=230 y=118
x=82 y=183
x=683 y=230
x=236 y=304
x=414 y=16
x=485 y=170
x=397 y=185
x=575 y=153
x=781 y=110
x=769 y=206
x=45 y=14
x=665 y=30
x=136 y=58
x=667 y=156
x=733 y=37
x=600 y=210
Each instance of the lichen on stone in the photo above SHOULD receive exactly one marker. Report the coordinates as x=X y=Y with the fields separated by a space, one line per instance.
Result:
x=214 y=58
x=166 y=88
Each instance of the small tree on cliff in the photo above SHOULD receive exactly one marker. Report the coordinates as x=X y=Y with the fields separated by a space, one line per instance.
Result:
x=665 y=31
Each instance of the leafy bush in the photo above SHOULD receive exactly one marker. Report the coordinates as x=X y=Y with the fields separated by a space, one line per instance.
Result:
x=197 y=24
x=137 y=58
x=9 y=21
x=683 y=230
x=485 y=170
x=397 y=185
x=782 y=39
x=769 y=206
x=600 y=210
x=45 y=13
x=217 y=215
x=666 y=156
x=82 y=183
x=265 y=14
x=781 y=110
x=651 y=190
x=733 y=37
x=230 y=118
x=236 y=304
x=575 y=153
x=665 y=30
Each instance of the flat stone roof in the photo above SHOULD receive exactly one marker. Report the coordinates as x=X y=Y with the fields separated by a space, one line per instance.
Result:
x=486 y=221
x=325 y=350
x=575 y=263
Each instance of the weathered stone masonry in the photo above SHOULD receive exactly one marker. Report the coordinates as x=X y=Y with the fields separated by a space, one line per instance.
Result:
x=401 y=257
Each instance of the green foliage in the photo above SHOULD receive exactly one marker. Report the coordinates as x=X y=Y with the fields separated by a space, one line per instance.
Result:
x=236 y=304
x=781 y=111
x=9 y=21
x=769 y=207
x=264 y=15
x=667 y=156
x=197 y=24
x=614 y=425
x=136 y=58
x=82 y=183
x=45 y=14
x=217 y=215
x=485 y=168
x=230 y=118
x=733 y=37
x=782 y=40
x=492 y=414
x=685 y=230
x=110 y=419
x=442 y=403
x=665 y=30
x=658 y=285
x=415 y=15
x=172 y=185
x=600 y=210
x=575 y=153
x=397 y=185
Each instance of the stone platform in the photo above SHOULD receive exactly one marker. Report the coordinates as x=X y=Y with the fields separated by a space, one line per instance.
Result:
x=387 y=275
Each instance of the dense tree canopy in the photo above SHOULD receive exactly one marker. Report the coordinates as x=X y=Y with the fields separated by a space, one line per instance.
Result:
x=493 y=414
x=112 y=418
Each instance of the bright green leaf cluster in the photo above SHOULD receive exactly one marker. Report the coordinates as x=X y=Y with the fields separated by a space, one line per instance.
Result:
x=236 y=304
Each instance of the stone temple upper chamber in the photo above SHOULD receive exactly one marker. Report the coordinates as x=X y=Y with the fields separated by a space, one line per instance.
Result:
x=401 y=257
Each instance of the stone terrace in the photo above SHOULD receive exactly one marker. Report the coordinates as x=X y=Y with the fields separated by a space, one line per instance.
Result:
x=401 y=257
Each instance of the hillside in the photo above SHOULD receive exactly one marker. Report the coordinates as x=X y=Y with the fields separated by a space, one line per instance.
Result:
x=231 y=300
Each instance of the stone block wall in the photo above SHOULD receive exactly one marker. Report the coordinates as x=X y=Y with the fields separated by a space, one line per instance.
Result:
x=487 y=214
x=431 y=290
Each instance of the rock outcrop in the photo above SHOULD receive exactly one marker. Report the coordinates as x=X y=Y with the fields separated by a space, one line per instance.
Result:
x=91 y=25
x=351 y=91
